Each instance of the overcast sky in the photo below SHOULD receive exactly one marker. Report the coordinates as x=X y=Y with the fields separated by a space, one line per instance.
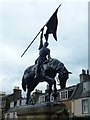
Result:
x=21 y=20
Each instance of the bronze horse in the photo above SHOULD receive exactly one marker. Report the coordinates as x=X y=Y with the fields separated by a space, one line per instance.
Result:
x=51 y=67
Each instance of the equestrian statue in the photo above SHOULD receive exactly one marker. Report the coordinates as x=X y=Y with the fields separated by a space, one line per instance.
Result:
x=51 y=68
x=45 y=68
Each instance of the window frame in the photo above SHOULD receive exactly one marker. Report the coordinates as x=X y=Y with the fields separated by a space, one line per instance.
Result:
x=85 y=106
x=42 y=99
x=64 y=95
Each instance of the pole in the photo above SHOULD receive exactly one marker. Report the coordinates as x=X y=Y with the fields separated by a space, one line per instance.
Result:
x=30 y=43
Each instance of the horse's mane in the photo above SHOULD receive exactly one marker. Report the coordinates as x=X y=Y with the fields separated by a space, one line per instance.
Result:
x=55 y=64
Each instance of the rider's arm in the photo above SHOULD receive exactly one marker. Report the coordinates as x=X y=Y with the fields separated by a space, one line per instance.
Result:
x=49 y=54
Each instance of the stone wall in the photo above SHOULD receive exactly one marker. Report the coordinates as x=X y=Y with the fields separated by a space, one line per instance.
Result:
x=47 y=111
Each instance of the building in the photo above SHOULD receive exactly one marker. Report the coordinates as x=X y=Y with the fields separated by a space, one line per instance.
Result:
x=76 y=98
x=64 y=96
x=7 y=99
x=11 y=113
x=1 y=105
x=17 y=102
x=35 y=96
x=81 y=98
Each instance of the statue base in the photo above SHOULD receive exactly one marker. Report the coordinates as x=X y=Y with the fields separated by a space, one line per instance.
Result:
x=45 y=111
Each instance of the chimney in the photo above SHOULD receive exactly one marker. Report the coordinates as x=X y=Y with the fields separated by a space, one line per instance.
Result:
x=87 y=72
x=47 y=88
x=84 y=76
x=2 y=93
x=17 y=92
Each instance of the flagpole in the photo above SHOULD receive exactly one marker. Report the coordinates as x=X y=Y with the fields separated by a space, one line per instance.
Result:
x=31 y=43
x=37 y=34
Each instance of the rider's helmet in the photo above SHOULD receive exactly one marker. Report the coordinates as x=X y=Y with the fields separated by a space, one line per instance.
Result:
x=46 y=44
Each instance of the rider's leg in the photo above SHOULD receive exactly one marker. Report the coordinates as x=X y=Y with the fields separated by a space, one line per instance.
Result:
x=37 y=71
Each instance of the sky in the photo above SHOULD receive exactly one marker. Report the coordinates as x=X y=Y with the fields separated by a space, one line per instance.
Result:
x=21 y=20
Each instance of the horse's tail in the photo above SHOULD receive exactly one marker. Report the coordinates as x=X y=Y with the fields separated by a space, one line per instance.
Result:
x=23 y=84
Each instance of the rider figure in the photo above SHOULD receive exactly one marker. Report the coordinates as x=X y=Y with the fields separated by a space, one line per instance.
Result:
x=44 y=54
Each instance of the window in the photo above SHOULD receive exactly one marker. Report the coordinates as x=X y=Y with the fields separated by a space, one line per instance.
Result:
x=23 y=102
x=85 y=106
x=11 y=104
x=18 y=103
x=64 y=95
x=42 y=99
x=15 y=103
x=14 y=116
x=51 y=98
x=8 y=116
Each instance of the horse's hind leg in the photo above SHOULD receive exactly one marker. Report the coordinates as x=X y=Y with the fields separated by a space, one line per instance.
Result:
x=28 y=97
x=27 y=100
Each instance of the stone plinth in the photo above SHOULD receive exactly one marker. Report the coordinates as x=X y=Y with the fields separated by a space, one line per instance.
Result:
x=47 y=111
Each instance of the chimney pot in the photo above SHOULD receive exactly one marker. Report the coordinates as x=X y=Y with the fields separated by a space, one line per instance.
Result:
x=83 y=71
x=87 y=72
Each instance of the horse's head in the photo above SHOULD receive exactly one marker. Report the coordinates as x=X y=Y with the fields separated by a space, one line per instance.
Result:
x=54 y=66
x=63 y=76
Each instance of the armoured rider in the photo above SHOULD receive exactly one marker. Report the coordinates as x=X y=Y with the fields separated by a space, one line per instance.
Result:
x=44 y=54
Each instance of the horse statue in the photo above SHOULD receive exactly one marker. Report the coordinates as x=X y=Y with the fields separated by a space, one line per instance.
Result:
x=50 y=67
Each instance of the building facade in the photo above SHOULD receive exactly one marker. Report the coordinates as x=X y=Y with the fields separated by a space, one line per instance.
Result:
x=76 y=98
x=12 y=111
x=7 y=100
x=1 y=105
x=81 y=99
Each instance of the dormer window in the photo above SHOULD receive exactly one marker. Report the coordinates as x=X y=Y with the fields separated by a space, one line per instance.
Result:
x=64 y=95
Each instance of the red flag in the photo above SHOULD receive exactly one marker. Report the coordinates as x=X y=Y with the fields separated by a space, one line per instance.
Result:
x=52 y=26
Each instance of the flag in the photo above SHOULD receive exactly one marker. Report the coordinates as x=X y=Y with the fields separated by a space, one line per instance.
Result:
x=52 y=26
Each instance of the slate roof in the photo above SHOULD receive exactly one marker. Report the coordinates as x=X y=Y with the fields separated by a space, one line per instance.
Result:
x=79 y=93
x=85 y=94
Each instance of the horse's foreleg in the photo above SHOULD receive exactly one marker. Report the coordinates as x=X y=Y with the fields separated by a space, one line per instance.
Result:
x=55 y=91
x=51 y=82
x=50 y=91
